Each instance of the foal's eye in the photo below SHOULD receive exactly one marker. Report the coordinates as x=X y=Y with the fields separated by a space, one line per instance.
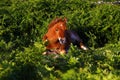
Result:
x=56 y=29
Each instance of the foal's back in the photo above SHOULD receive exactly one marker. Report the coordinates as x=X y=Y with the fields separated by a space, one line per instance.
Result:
x=73 y=37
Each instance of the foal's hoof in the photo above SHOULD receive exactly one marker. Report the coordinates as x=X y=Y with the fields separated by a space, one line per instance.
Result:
x=44 y=53
x=49 y=52
x=62 y=52
x=84 y=48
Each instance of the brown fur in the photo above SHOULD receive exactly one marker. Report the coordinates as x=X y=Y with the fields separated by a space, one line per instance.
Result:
x=57 y=28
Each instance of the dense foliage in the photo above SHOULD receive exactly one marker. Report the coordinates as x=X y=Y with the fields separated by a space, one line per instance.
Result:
x=24 y=22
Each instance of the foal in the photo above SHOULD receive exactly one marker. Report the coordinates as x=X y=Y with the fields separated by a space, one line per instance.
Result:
x=59 y=38
x=55 y=35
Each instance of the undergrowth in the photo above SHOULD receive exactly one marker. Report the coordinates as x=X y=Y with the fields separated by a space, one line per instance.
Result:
x=24 y=22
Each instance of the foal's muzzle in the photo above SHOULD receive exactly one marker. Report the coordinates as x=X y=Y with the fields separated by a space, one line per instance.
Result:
x=62 y=40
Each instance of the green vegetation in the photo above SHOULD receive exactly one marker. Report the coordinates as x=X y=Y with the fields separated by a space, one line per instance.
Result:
x=24 y=22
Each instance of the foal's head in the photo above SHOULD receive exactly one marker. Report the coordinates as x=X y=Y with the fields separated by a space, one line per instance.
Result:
x=56 y=31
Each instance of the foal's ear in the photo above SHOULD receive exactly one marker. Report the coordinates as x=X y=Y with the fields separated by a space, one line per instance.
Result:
x=65 y=19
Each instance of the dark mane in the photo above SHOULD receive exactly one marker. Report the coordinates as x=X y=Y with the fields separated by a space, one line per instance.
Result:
x=54 y=21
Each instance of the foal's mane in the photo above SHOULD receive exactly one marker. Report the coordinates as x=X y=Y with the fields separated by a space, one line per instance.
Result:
x=54 y=21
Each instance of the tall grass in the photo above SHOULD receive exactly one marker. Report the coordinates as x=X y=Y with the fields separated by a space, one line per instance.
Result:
x=24 y=22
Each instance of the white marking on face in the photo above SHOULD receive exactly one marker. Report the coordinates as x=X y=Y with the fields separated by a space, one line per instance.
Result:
x=62 y=40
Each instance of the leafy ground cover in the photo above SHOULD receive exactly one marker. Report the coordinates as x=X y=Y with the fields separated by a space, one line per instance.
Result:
x=24 y=22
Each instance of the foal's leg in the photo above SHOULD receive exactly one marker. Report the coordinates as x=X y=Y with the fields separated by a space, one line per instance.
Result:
x=56 y=47
x=75 y=37
x=61 y=49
